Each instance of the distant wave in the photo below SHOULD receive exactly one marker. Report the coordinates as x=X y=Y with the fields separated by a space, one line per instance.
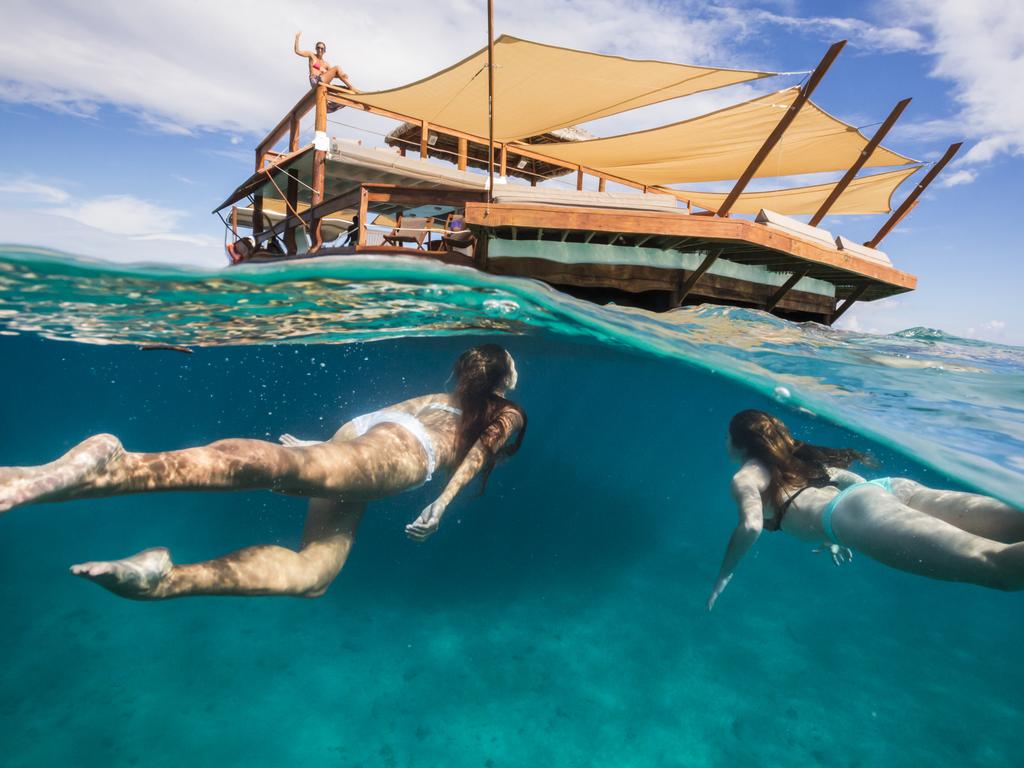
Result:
x=955 y=404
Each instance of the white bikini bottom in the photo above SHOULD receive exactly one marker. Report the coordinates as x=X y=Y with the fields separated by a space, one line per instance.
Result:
x=410 y=424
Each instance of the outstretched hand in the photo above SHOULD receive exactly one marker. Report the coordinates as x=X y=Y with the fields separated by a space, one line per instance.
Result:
x=840 y=555
x=720 y=586
x=426 y=524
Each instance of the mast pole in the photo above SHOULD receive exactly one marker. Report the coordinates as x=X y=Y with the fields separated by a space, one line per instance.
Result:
x=490 y=101
x=775 y=135
x=906 y=205
x=865 y=155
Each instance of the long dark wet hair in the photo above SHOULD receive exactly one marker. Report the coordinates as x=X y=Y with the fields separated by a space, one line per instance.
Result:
x=479 y=373
x=792 y=463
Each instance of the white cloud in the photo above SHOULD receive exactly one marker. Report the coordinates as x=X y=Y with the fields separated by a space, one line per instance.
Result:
x=34 y=191
x=184 y=67
x=955 y=179
x=122 y=215
x=860 y=33
x=123 y=220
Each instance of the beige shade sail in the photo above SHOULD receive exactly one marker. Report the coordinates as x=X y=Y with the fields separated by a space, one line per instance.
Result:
x=538 y=88
x=868 y=194
x=720 y=145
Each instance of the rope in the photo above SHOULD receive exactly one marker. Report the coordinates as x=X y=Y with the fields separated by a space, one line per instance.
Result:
x=286 y=202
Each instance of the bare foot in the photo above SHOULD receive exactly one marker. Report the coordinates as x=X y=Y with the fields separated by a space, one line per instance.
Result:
x=22 y=485
x=135 y=577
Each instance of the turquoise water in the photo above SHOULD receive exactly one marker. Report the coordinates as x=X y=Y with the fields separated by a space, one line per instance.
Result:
x=559 y=619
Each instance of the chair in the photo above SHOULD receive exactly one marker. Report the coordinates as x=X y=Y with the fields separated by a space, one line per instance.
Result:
x=457 y=240
x=408 y=230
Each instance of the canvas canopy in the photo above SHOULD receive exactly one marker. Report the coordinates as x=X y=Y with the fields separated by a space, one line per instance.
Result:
x=867 y=194
x=720 y=145
x=538 y=88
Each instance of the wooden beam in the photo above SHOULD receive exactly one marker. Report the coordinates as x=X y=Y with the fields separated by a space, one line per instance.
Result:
x=490 y=101
x=640 y=243
x=294 y=132
x=589 y=237
x=864 y=156
x=300 y=109
x=601 y=180
x=257 y=215
x=292 y=194
x=424 y=136
x=364 y=208
x=725 y=232
x=785 y=288
x=463 y=153
x=579 y=179
x=504 y=160
x=684 y=289
x=905 y=207
x=857 y=293
x=784 y=123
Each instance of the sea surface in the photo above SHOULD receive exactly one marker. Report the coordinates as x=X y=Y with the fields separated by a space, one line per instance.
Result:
x=558 y=620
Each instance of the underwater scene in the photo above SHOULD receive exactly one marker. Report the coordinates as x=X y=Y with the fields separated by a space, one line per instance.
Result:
x=559 y=618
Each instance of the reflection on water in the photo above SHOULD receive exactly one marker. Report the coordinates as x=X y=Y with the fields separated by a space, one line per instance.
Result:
x=952 y=403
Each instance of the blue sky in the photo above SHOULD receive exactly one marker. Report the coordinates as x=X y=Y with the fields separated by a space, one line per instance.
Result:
x=146 y=115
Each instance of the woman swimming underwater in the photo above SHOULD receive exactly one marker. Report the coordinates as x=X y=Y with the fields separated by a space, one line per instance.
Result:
x=811 y=494
x=371 y=457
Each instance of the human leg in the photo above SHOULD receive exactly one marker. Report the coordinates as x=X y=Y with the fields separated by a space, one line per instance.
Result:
x=877 y=524
x=100 y=466
x=263 y=570
x=971 y=512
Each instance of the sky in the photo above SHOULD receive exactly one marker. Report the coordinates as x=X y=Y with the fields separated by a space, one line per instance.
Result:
x=124 y=124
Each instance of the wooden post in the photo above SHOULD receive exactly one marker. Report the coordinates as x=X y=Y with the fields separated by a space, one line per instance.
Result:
x=504 y=160
x=785 y=288
x=684 y=290
x=363 y=213
x=490 y=101
x=257 y=214
x=600 y=183
x=865 y=155
x=424 y=135
x=463 y=153
x=294 y=129
x=857 y=293
x=292 y=192
x=907 y=204
x=784 y=123
x=579 y=179
x=319 y=166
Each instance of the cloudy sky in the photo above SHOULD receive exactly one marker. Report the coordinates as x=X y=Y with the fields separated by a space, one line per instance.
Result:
x=123 y=124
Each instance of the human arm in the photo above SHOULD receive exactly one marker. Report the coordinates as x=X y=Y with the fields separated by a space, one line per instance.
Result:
x=494 y=437
x=747 y=486
x=298 y=51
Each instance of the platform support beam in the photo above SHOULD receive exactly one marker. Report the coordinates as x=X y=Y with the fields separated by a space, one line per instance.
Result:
x=785 y=288
x=784 y=123
x=687 y=285
x=864 y=156
x=857 y=293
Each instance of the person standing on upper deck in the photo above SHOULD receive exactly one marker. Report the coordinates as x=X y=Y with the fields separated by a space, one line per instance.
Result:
x=320 y=71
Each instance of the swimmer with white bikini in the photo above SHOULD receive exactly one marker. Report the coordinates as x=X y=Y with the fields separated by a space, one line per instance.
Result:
x=809 y=492
x=371 y=457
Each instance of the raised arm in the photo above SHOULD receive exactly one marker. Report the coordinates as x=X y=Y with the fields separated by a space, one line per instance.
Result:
x=298 y=52
x=499 y=433
x=747 y=486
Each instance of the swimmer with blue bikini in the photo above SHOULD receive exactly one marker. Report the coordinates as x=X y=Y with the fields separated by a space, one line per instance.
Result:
x=809 y=492
x=371 y=457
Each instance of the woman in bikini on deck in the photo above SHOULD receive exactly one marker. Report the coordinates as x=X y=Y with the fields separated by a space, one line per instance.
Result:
x=371 y=457
x=808 y=491
x=319 y=70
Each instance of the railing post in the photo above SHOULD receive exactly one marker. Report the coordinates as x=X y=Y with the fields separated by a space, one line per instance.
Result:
x=424 y=135
x=463 y=153
x=320 y=146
